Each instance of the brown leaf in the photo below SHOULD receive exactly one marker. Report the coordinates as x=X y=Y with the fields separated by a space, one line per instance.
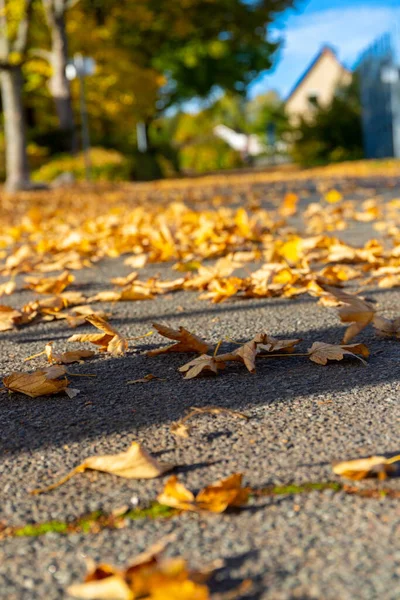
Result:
x=200 y=364
x=355 y=310
x=246 y=353
x=320 y=352
x=186 y=341
x=9 y=317
x=43 y=382
x=213 y=498
x=135 y=463
x=271 y=344
x=79 y=313
x=374 y=466
x=66 y=358
x=387 y=328
x=109 y=341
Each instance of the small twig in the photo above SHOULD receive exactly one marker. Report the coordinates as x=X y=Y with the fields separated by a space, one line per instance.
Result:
x=80 y=374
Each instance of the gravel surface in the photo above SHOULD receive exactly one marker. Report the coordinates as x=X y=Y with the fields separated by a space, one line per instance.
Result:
x=324 y=546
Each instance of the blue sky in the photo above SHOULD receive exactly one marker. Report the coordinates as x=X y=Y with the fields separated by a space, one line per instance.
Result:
x=347 y=25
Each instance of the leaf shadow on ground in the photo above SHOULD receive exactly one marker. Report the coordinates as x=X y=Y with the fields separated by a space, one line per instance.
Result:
x=107 y=405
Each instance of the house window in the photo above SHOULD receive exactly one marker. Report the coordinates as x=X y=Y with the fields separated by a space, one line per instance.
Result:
x=312 y=98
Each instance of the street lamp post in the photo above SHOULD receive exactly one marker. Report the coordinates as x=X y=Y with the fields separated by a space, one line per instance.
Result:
x=80 y=67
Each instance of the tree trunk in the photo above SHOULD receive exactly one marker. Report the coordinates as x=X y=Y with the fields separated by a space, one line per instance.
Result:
x=59 y=84
x=17 y=167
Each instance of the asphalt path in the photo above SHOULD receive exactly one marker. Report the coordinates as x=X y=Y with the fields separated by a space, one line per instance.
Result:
x=319 y=545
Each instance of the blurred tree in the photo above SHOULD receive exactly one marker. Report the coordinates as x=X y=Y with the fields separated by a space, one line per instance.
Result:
x=194 y=46
x=55 y=12
x=333 y=133
x=14 y=27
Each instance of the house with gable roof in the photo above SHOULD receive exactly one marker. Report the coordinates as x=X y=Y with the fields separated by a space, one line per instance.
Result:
x=317 y=84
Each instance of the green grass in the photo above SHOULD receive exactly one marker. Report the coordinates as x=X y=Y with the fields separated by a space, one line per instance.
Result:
x=97 y=521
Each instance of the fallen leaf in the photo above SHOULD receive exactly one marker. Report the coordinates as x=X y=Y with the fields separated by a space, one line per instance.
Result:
x=9 y=317
x=289 y=205
x=374 y=466
x=246 y=353
x=386 y=327
x=186 y=341
x=271 y=344
x=50 y=285
x=109 y=341
x=355 y=310
x=213 y=498
x=320 y=352
x=333 y=196
x=135 y=463
x=127 y=280
x=66 y=358
x=79 y=313
x=200 y=364
x=43 y=382
x=136 y=261
x=149 y=576
x=7 y=288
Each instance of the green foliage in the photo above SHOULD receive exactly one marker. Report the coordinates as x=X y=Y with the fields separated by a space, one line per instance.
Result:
x=106 y=165
x=212 y=154
x=333 y=133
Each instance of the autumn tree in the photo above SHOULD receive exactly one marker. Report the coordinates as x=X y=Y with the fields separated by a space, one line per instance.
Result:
x=14 y=28
x=192 y=47
x=55 y=12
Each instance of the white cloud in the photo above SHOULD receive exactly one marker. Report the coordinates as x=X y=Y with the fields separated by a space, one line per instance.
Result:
x=349 y=30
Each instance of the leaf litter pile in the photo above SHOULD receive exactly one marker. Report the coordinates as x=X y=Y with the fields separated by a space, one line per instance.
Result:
x=251 y=252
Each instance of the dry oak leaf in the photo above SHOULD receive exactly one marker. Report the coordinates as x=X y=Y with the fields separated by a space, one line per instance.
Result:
x=66 y=358
x=213 y=498
x=150 y=576
x=50 y=285
x=109 y=341
x=43 y=382
x=374 y=466
x=320 y=352
x=186 y=341
x=135 y=463
x=205 y=362
x=386 y=327
x=354 y=310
